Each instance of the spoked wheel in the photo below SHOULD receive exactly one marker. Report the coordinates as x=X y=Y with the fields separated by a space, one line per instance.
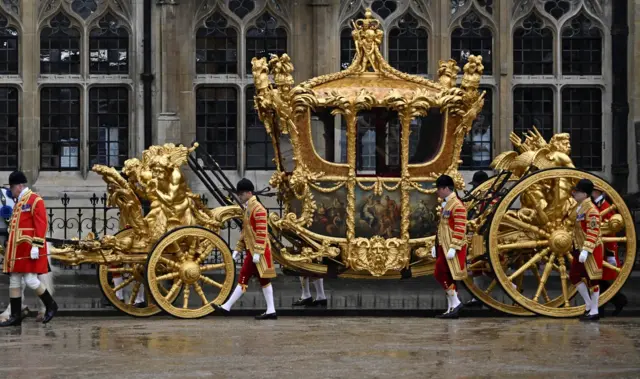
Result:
x=132 y=275
x=481 y=281
x=530 y=241
x=199 y=261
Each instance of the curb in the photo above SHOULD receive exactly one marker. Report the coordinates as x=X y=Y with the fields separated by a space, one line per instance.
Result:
x=470 y=313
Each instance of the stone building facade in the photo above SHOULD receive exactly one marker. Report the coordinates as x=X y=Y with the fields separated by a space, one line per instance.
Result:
x=78 y=86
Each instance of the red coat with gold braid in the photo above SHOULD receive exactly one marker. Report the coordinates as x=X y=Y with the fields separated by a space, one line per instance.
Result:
x=255 y=239
x=610 y=248
x=452 y=233
x=586 y=236
x=27 y=228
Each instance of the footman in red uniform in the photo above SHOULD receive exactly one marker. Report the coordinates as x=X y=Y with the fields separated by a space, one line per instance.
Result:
x=26 y=254
x=450 y=250
x=586 y=268
x=619 y=300
x=254 y=240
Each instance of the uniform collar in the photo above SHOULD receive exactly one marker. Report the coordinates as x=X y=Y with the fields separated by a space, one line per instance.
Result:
x=451 y=196
x=584 y=205
x=252 y=200
x=23 y=192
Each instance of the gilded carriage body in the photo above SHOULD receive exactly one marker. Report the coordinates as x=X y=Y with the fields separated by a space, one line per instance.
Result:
x=368 y=219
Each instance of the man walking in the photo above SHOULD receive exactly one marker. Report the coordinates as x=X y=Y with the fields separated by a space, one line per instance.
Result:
x=254 y=239
x=26 y=254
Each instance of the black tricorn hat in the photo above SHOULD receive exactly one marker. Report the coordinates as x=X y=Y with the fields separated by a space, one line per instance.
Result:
x=244 y=185
x=584 y=185
x=444 y=181
x=478 y=178
x=17 y=177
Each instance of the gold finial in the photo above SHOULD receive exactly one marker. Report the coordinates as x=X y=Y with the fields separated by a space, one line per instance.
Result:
x=367 y=38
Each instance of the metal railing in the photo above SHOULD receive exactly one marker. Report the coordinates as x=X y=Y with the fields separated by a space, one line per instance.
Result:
x=68 y=222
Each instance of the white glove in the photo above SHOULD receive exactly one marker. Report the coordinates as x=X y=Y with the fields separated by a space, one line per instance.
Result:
x=235 y=256
x=35 y=252
x=583 y=256
x=451 y=253
x=433 y=251
x=256 y=258
x=612 y=261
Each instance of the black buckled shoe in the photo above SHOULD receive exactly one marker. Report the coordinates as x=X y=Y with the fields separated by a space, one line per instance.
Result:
x=303 y=302
x=11 y=321
x=267 y=316
x=588 y=317
x=220 y=310
x=318 y=303
x=51 y=311
x=142 y=304
x=452 y=314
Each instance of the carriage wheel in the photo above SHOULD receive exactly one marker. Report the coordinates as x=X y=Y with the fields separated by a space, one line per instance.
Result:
x=183 y=253
x=133 y=275
x=487 y=289
x=530 y=239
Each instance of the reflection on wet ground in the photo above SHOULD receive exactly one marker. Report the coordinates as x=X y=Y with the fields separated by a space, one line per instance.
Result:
x=329 y=347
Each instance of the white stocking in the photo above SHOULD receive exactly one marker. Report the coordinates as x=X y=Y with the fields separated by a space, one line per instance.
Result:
x=237 y=293
x=268 y=297
x=304 y=283
x=584 y=292
x=595 y=298
x=319 y=284
x=116 y=282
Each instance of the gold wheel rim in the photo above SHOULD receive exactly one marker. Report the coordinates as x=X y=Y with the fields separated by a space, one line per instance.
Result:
x=485 y=294
x=183 y=253
x=556 y=307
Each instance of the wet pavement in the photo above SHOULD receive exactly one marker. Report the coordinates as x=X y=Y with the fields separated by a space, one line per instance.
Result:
x=315 y=347
x=79 y=295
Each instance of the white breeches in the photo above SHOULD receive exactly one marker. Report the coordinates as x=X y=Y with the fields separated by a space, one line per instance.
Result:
x=31 y=280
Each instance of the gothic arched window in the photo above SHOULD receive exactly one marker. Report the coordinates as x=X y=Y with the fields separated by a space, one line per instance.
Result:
x=217 y=123
x=241 y=7
x=9 y=53
x=216 y=47
x=259 y=149
x=108 y=126
x=472 y=37
x=265 y=38
x=60 y=47
x=60 y=128
x=533 y=106
x=384 y=8
x=582 y=119
x=408 y=46
x=581 y=47
x=109 y=47
x=9 y=119
x=532 y=48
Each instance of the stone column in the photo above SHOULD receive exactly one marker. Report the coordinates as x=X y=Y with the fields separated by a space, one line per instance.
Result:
x=620 y=104
x=302 y=49
x=29 y=106
x=167 y=78
x=325 y=36
x=503 y=74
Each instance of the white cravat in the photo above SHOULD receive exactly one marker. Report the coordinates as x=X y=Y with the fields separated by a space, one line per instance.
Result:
x=599 y=199
x=24 y=190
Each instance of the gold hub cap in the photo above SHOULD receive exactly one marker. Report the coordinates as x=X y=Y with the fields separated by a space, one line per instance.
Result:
x=190 y=272
x=560 y=241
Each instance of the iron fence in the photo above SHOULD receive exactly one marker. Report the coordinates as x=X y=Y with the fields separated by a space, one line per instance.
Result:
x=68 y=222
